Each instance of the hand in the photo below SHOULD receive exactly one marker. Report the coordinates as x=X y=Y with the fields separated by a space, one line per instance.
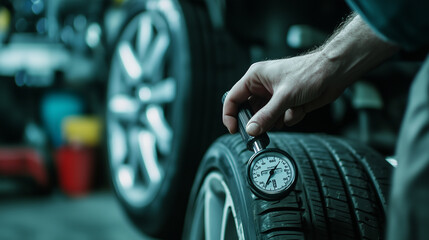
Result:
x=282 y=91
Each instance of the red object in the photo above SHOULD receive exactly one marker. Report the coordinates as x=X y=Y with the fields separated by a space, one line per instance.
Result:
x=19 y=161
x=75 y=169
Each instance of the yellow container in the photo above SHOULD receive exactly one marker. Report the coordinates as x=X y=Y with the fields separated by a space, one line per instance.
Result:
x=83 y=130
x=4 y=19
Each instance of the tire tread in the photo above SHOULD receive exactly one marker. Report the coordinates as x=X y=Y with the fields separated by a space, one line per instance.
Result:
x=340 y=191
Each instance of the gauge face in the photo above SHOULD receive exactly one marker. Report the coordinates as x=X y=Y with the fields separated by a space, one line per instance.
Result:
x=271 y=173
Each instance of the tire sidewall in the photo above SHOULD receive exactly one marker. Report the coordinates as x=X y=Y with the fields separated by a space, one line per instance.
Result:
x=220 y=159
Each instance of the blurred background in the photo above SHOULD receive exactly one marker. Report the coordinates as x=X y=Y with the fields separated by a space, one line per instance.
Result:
x=107 y=106
x=54 y=180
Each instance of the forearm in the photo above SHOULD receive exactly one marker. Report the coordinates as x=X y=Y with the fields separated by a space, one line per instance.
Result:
x=354 y=50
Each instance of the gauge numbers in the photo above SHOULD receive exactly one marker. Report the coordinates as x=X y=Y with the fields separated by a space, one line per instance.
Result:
x=271 y=173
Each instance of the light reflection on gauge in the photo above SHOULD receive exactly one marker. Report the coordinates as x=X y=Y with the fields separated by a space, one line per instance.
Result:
x=271 y=173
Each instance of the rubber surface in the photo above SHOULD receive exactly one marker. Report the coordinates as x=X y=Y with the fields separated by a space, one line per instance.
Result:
x=341 y=192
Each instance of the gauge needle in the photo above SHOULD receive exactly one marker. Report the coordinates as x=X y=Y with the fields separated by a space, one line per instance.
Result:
x=271 y=174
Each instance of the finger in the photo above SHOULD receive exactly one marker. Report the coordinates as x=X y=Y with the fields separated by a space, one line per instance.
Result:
x=293 y=115
x=238 y=94
x=266 y=118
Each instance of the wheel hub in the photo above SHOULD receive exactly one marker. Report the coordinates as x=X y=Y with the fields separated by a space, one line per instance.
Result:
x=142 y=88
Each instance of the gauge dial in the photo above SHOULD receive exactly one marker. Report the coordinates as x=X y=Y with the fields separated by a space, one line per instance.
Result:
x=271 y=173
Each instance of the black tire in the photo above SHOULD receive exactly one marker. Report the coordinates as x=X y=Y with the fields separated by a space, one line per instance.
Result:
x=192 y=116
x=341 y=192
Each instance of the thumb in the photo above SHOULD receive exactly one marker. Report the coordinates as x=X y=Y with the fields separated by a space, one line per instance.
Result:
x=266 y=117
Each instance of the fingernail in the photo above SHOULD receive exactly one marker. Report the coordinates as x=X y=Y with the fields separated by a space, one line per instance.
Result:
x=253 y=129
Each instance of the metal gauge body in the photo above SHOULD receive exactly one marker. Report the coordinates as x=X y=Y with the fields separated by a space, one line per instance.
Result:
x=271 y=173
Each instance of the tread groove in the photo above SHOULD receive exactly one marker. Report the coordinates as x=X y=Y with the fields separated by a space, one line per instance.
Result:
x=272 y=230
x=274 y=209
x=350 y=204
x=319 y=186
x=374 y=183
x=364 y=198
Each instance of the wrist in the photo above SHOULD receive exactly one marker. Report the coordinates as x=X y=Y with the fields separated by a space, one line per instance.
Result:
x=354 y=51
x=330 y=66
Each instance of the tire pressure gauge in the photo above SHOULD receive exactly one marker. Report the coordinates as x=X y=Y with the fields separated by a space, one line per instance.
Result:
x=271 y=173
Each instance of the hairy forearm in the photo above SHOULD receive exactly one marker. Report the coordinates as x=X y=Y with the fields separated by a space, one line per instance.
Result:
x=354 y=50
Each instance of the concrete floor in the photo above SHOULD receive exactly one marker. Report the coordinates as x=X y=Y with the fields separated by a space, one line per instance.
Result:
x=94 y=217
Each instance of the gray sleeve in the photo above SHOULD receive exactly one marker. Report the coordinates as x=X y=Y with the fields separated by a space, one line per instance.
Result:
x=404 y=22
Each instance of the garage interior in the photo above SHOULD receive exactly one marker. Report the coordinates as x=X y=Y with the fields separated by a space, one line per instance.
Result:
x=111 y=116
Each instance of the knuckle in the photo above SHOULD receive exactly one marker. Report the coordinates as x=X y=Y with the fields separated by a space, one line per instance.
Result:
x=254 y=67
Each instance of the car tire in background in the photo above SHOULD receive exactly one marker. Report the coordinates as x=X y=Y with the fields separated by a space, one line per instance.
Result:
x=341 y=193
x=164 y=108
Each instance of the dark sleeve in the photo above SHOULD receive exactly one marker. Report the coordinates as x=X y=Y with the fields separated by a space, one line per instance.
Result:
x=404 y=22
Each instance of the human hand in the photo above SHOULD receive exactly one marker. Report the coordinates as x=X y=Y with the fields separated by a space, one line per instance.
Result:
x=282 y=91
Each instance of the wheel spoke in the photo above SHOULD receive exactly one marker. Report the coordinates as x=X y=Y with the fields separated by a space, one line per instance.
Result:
x=134 y=155
x=124 y=106
x=156 y=121
x=150 y=165
x=228 y=228
x=213 y=206
x=129 y=63
x=225 y=215
x=118 y=142
x=159 y=93
x=144 y=35
x=156 y=55
x=213 y=215
x=126 y=176
x=197 y=231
